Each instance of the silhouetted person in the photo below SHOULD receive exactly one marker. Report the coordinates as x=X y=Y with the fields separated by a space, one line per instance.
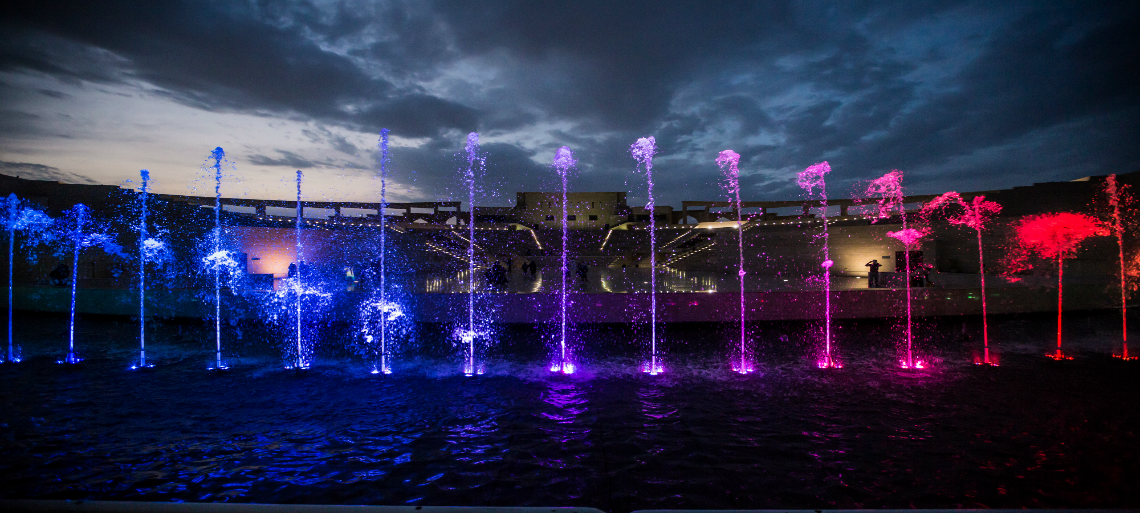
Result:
x=873 y=274
x=922 y=275
x=533 y=268
x=497 y=274
x=583 y=271
x=60 y=275
x=292 y=270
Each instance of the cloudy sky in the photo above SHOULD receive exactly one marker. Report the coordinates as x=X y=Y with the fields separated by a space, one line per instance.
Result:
x=959 y=95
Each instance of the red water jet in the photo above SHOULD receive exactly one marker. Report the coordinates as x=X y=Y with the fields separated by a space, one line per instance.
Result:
x=1054 y=237
x=1116 y=196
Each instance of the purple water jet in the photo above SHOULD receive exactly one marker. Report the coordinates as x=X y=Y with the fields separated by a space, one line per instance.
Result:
x=643 y=151
x=563 y=162
x=975 y=214
x=468 y=336
x=810 y=179
x=729 y=162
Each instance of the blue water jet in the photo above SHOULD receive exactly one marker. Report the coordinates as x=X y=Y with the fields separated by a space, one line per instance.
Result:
x=21 y=217
x=217 y=257
x=143 y=240
x=301 y=362
x=385 y=308
x=82 y=232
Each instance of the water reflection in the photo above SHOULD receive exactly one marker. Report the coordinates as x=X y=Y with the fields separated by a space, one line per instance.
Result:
x=623 y=280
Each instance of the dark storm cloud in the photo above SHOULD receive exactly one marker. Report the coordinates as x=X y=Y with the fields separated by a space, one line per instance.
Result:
x=337 y=142
x=957 y=94
x=41 y=172
x=629 y=56
x=53 y=94
x=218 y=57
x=293 y=161
x=1029 y=79
x=421 y=115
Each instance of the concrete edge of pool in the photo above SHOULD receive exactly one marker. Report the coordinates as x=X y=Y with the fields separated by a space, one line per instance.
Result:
x=53 y=506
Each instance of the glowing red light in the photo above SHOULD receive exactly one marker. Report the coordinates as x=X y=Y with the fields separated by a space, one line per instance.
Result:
x=1055 y=237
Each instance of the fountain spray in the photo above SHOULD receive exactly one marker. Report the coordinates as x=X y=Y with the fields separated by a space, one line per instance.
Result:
x=809 y=179
x=384 y=161
x=301 y=363
x=1053 y=237
x=975 y=214
x=19 y=217
x=83 y=232
x=472 y=156
x=13 y=205
x=643 y=151
x=81 y=214
x=890 y=192
x=219 y=156
x=729 y=162
x=563 y=161
x=145 y=175
x=1113 y=190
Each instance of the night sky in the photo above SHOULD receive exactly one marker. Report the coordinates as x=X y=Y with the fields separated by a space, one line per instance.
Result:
x=959 y=95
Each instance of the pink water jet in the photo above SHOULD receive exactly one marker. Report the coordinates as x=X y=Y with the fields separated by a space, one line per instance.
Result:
x=910 y=238
x=974 y=214
x=563 y=162
x=810 y=179
x=729 y=162
x=1054 y=237
x=643 y=151
x=888 y=189
x=1116 y=196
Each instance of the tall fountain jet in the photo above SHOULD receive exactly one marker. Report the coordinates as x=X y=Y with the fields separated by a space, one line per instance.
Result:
x=643 y=151
x=1114 y=192
x=82 y=232
x=469 y=336
x=219 y=156
x=975 y=214
x=301 y=363
x=384 y=161
x=810 y=179
x=729 y=162
x=888 y=188
x=142 y=247
x=563 y=162
x=20 y=217
x=1055 y=237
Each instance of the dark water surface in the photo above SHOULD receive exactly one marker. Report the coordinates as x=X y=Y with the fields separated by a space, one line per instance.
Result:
x=1032 y=432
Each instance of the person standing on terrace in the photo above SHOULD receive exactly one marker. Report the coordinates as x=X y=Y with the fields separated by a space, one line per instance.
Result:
x=873 y=274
